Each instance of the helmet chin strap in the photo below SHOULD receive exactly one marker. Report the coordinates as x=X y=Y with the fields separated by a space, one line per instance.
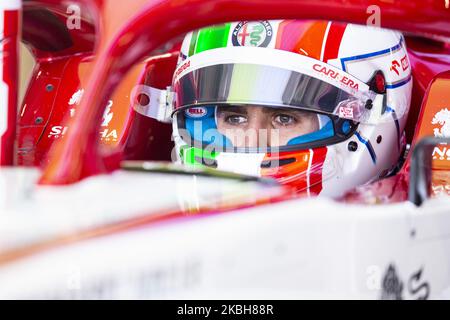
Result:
x=242 y=163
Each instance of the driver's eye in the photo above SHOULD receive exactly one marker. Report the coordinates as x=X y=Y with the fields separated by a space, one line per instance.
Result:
x=285 y=119
x=235 y=119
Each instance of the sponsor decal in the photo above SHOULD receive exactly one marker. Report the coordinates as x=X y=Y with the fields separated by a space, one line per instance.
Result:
x=106 y=135
x=252 y=33
x=57 y=131
x=75 y=100
x=346 y=112
x=440 y=188
x=441 y=153
x=418 y=287
x=335 y=75
x=76 y=97
x=183 y=67
x=196 y=112
x=394 y=65
x=392 y=285
x=107 y=115
x=349 y=109
x=142 y=282
x=442 y=118
x=405 y=63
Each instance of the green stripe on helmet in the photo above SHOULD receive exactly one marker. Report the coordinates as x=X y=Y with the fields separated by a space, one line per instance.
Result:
x=193 y=156
x=212 y=37
x=192 y=43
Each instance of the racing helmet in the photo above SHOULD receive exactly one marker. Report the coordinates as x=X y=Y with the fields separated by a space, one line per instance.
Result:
x=318 y=105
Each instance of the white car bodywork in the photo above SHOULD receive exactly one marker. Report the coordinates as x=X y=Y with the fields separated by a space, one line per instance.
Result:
x=304 y=248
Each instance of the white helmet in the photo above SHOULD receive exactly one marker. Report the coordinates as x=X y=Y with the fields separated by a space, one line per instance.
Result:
x=337 y=96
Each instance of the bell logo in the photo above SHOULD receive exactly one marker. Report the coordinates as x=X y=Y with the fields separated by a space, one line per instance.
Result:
x=196 y=112
x=442 y=118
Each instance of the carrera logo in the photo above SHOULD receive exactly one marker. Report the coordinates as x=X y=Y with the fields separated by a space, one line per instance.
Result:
x=183 y=67
x=253 y=34
x=196 y=112
x=442 y=118
x=335 y=76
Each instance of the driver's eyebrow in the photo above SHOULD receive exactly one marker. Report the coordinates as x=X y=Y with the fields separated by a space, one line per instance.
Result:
x=285 y=110
x=272 y=110
x=237 y=109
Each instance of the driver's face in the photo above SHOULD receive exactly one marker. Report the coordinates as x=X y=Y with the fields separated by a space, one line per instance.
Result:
x=243 y=125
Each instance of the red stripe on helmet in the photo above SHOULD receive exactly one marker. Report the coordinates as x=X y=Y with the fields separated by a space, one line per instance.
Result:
x=310 y=43
x=333 y=41
x=302 y=37
x=303 y=174
x=289 y=33
x=316 y=169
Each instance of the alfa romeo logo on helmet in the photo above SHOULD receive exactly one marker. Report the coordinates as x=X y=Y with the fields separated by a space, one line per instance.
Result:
x=252 y=33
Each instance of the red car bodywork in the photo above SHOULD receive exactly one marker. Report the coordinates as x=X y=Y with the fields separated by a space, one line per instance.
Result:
x=9 y=77
x=106 y=56
x=118 y=44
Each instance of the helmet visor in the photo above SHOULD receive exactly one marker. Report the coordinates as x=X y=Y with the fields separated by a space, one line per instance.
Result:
x=310 y=86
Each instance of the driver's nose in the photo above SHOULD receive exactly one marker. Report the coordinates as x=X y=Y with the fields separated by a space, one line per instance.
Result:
x=261 y=132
